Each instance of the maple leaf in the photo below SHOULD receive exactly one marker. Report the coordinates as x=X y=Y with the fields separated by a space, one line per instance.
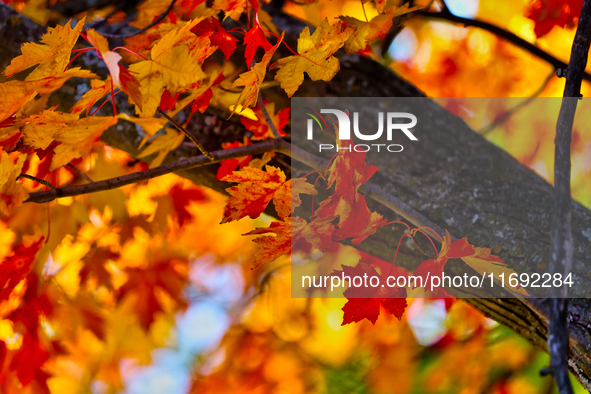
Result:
x=273 y=247
x=377 y=27
x=219 y=37
x=347 y=173
x=364 y=302
x=253 y=194
x=16 y=267
x=254 y=39
x=314 y=56
x=260 y=128
x=181 y=198
x=479 y=259
x=21 y=92
x=110 y=58
x=319 y=233
x=12 y=193
x=94 y=264
x=549 y=13
x=253 y=78
x=173 y=65
x=52 y=56
x=257 y=188
x=144 y=284
x=163 y=144
x=227 y=166
x=98 y=89
x=234 y=8
x=77 y=136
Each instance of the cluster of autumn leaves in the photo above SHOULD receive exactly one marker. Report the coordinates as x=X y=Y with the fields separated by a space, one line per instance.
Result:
x=167 y=75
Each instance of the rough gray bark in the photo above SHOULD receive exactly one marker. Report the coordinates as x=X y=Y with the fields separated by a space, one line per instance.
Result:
x=455 y=175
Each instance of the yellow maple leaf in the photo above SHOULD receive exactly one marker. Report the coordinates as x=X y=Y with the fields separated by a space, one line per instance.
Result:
x=12 y=192
x=232 y=8
x=163 y=144
x=378 y=26
x=22 y=91
x=52 y=55
x=75 y=135
x=39 y=131
x=253 y=78
x=174 y=64
x=98 y=90
x=315 y=56
x=150 y=126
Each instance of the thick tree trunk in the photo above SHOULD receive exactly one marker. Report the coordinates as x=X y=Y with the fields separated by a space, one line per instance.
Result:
x=449 y=183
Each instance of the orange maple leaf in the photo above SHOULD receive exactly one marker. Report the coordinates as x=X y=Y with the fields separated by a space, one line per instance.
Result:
x=257 y=188
x=276 y=246
x=379 y=26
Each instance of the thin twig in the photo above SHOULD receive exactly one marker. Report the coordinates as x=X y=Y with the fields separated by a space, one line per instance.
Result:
x=40 y=181
x=143 y=29
x=562 y=239
x=186 y=132
x=77 y=171
x=183 y=164
x=507 y=35
x=507 y=114
x=267 y=117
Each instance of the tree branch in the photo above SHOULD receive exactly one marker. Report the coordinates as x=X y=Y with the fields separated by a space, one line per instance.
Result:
x=277 y=145
x=143 y=29
x=507 y=35
x=562 y=240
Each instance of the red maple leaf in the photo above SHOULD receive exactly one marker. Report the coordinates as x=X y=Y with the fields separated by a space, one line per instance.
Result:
x=450 y=250
x=254 y=39
x=227 y=166
x=16 y=267
x=549 y=13
x=365 y=301
x=181 y=198
x=218 y=35
x=144 y=284
x=260 y=128
x=201 y=103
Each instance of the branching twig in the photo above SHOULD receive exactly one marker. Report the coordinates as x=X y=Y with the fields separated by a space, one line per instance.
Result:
x=267 y=117
x=562 y=240
x=40 y=181
x=77 y=171
x=186 y=132
x=507 y=35
x=143 y=29
x=507 y=114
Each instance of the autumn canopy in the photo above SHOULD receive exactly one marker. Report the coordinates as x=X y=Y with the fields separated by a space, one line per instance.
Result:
x=150 y=212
